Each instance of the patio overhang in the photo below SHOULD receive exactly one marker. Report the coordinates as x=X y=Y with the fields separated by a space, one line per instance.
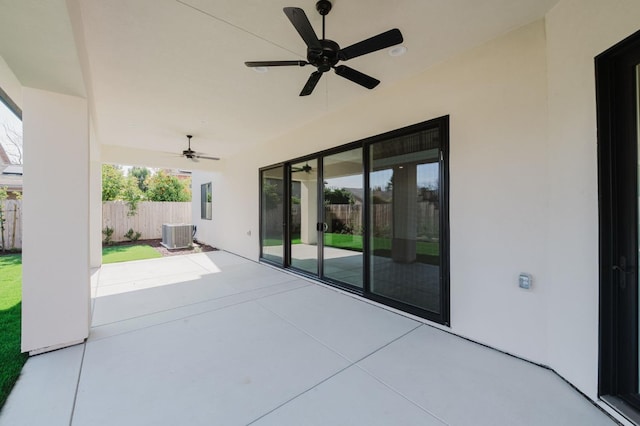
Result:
x=125 y=82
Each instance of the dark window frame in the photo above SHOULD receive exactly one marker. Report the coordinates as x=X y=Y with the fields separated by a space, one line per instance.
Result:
x=618 y=225
x=442 y=123
x=13 y=107
x=206 y=197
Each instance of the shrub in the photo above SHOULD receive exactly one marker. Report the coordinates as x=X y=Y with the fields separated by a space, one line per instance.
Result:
x=132 y=235
x=108 y=234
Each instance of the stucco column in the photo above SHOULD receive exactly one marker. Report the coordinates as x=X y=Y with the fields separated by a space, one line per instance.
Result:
x=55 y=258
x=95 y=233
x=308 y=211
x=405 y=212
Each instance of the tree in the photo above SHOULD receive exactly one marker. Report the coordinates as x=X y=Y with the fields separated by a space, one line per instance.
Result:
x=338 y=196
x=132 y=194
x=141 y=174
x=112 y=182
x=164 y=187
x=13 y=138
x=3 y=196
x=270 y=195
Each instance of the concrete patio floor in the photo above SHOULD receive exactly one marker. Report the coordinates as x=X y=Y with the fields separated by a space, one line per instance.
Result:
x=215 y=339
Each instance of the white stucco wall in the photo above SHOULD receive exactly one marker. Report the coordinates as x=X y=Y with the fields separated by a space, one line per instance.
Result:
x=523 y=180
x=577 y=31
x=95 y=189
x=55 y=282
x=496 y=96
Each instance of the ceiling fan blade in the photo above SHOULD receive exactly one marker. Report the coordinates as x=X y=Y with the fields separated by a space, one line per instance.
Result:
x=381 y=41
x=311 y=83
x=300 y=21
x=356 y=76
x=252 y=64
x=206 y=157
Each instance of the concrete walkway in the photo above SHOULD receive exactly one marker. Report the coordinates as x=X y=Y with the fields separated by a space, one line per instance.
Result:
x=214 y=339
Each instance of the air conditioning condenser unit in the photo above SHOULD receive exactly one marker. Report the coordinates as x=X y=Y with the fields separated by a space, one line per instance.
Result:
x=177 y=235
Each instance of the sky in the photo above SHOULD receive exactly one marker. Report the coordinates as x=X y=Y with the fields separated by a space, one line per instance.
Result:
x=8 y=117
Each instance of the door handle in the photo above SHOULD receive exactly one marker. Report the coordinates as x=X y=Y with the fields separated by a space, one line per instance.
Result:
x=325 y=227
x=622 y=269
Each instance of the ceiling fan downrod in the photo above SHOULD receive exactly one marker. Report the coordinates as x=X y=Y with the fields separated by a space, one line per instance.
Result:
x=323 y=7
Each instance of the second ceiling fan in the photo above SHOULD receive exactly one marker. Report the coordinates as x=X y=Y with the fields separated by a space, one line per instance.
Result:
x=324 y=54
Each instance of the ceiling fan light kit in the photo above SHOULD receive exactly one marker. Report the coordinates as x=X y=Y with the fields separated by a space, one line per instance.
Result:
x=324 y=54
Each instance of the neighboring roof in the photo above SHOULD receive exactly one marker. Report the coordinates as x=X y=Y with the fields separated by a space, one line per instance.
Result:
x=12 y=169
x=11 y=177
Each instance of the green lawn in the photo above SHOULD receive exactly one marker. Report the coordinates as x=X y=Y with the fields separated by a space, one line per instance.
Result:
x=354 y=242
x=269 y=242
x=11 y=360
x=126 y=253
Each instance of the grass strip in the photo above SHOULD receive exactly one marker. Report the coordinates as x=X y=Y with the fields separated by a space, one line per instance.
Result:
x=116 y=254
x=11 y=360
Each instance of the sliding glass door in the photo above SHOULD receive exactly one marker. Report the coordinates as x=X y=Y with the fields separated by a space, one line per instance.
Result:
x=370 y=217
x=272 y=214
x=303 y=216
x=405 y=220
x=343 y=200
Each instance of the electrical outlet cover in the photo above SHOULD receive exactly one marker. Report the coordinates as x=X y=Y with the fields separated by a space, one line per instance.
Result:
x=524 y=281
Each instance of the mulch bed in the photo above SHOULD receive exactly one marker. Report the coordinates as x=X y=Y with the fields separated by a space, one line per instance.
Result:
x=197 y=247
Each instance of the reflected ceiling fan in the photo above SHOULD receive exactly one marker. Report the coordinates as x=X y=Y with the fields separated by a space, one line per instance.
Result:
x=193 y=155
x=306 y=168
x=324 y=54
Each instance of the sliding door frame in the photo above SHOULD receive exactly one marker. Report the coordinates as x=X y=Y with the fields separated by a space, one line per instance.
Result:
x=442 y=124
x=616 y=93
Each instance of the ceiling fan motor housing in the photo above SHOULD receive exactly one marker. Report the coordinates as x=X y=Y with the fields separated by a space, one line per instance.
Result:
x=323 y=7
x=327 y=58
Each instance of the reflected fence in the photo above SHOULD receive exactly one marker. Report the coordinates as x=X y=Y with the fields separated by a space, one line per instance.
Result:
x=348 y=219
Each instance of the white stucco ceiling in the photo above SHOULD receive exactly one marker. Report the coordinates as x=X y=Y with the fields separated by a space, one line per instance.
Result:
x=160 y=69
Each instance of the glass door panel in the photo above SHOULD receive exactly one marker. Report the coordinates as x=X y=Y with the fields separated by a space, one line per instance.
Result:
x=638 y=144
x=343 y=200
x=304 y=216
x=272 y=214
x=404 y=233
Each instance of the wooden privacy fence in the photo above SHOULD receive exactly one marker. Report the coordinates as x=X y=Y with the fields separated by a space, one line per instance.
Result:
x=12 y=212
x=427 y=218
x=148 y=220
x=348 y=218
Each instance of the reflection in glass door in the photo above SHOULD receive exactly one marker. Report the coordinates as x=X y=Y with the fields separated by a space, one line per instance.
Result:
x=343 y=202
x=272 y=214
x=638 y=145
x=371 y=217
x=404 y=234
x=304 y=216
